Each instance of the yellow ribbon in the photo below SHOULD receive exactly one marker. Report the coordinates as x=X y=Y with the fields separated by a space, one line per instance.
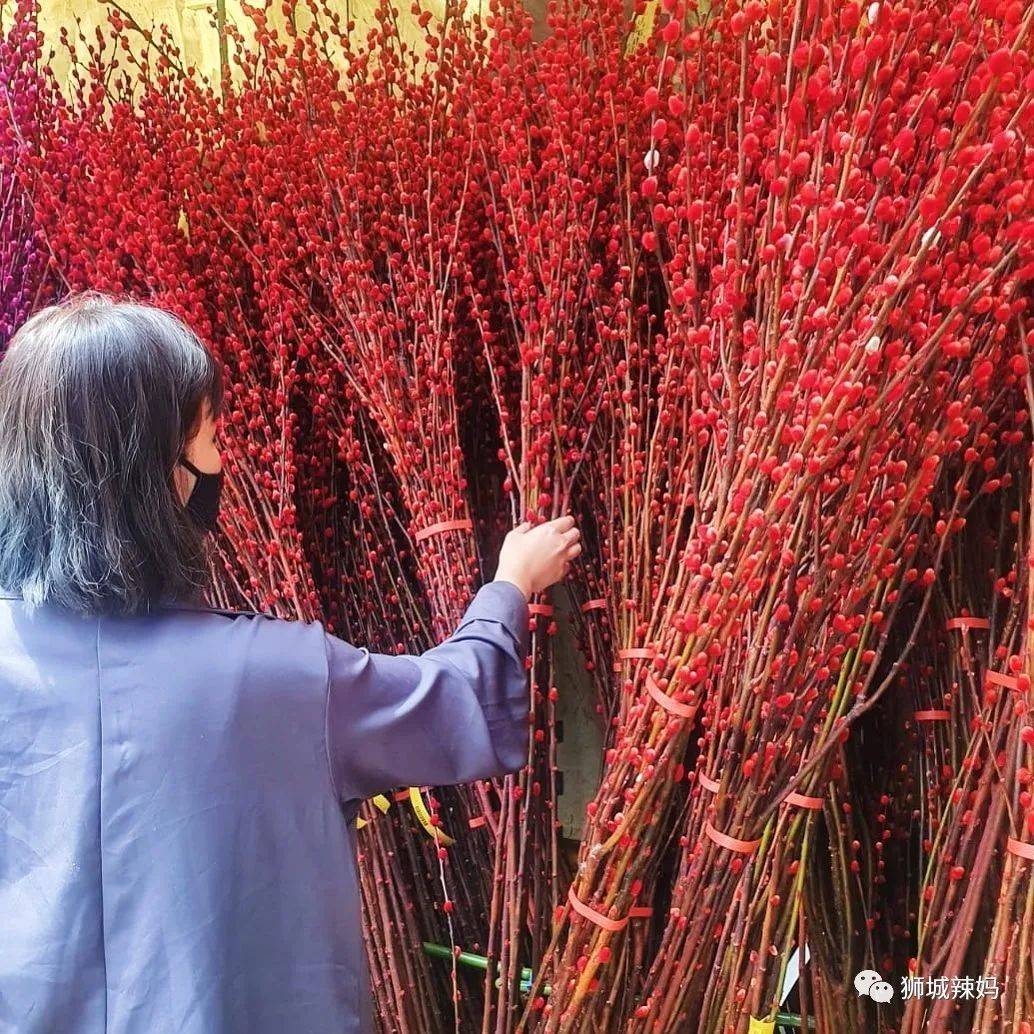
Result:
x=423 y=816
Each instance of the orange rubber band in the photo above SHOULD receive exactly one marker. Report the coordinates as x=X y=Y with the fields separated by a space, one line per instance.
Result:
x=463 y=524
x=602 y=921
x=597 y=604
x=636 y=652
x=1000 y=679
x=707 y=782
x=731 y=843
x=801 y=801
x=545 y=609
x=932 y=716
x=401 y=795
x=967 y=622
x=1020 y=849
x=613 y=925
x=668 y=703
x=477 y=822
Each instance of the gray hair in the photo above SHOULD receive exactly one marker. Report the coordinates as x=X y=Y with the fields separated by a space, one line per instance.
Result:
x=97 y=399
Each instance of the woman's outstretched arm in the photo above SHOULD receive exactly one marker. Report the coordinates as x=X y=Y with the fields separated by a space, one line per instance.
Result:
x=458 y=712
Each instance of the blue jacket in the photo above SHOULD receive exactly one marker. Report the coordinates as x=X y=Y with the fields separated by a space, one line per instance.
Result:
x=174 y=853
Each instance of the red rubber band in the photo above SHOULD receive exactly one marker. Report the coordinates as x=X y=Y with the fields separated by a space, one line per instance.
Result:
x=635 y=652
x=967 y=622
x=640 y=913
x=1020 y=849
x=1000 y=679
x=463 y=524
x=668 y=703
x=707 y=782
x=545 y=609
x=932 y=716
x=477 y=822
x=401 y=795
x=731 y=843
x=597 y=604
x=613 y=925
x=801 y=801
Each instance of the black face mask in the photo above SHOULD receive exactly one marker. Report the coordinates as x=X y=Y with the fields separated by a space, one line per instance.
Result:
x=203 y=502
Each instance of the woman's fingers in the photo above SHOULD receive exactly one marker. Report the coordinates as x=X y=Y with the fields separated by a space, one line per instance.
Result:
x=563 y=523
x=573 y=550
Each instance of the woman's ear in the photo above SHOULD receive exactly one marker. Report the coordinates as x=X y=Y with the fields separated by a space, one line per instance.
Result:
x=201 y=448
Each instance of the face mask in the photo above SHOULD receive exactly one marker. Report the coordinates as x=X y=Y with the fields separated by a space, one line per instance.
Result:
x=203 y=502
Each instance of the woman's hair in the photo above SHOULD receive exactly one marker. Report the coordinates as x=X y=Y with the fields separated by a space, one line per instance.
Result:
x=97 y=399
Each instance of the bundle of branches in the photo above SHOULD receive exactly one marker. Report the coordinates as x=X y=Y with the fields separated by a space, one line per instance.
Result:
x=381 y=235
x=829 y=360
x=964 y=701
x=909 y=758
x=374 y=591
x=764 y=904
x=381 y=227
x=1008 y=960
x=549 y=155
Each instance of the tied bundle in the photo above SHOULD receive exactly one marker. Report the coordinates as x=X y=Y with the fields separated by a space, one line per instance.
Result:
x=544 y=299
x=970 y=704
x=1007 y=960
x=805 y=223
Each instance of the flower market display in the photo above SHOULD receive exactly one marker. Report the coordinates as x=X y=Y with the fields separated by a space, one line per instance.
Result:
x=745 y=287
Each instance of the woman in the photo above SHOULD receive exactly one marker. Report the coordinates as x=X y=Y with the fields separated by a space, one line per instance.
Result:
x=178 y=784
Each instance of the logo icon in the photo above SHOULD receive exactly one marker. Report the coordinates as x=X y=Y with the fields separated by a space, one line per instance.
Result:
x=869 y=984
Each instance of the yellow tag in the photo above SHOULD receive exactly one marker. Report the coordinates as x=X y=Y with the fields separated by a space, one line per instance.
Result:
x=381 y=803
x=761 y=1026
x=424 y=818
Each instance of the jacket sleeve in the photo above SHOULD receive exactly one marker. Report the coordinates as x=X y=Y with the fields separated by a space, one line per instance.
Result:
x=456 y=713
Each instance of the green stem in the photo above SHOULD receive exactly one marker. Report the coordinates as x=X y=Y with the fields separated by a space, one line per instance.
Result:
x=467 y=958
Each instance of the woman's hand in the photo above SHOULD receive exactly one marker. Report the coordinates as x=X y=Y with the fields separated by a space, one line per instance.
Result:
x=533 y=559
